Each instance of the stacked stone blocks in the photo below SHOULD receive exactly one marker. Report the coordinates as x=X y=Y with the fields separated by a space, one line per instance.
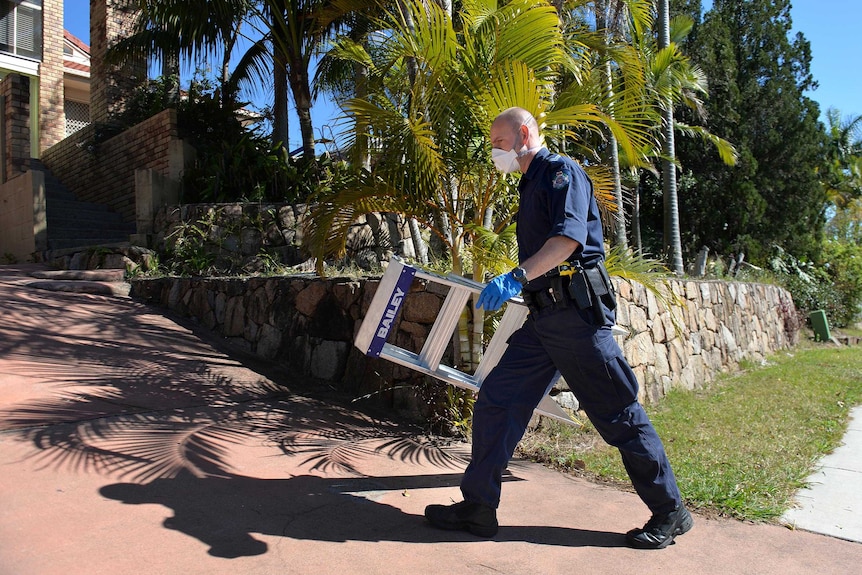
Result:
x=308 y=324
x=239 y=235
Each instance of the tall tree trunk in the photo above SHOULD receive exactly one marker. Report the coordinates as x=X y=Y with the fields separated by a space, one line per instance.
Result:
x=620 y=238
x=298 y=77
x=224 y=75
x=412 y=70
x=171 y=73
x=408 y=21
x=605 y=22
x=672 y=240
x=363 y=155
x=229 y=44
x=419 y=247
x=636 y=216
x=280 y=125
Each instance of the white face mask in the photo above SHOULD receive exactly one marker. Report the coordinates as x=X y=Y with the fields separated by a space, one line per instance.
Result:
x=506 y=162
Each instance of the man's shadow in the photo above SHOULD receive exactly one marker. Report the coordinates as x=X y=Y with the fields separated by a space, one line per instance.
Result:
x=225 y=512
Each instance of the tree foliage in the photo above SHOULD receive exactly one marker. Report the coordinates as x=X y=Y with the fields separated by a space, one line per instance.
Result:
x=434 y=85
x=757 y=76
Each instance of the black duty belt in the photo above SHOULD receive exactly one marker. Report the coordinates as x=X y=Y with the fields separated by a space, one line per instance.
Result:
x=572 y=284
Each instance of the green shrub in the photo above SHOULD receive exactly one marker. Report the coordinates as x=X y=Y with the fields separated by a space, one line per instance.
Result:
x=843 y=265
x=834 y=287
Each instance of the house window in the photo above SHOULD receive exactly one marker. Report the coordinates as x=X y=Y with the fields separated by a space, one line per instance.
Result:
x=21 y=28
x=77 y=116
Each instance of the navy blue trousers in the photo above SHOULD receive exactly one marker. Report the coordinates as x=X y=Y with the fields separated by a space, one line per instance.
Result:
x=565 y=341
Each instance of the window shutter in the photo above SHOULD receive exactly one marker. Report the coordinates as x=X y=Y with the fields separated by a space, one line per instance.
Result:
x=7 y=25
x=29 y=33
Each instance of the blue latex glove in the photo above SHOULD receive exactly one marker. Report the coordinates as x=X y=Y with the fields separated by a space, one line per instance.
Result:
x=498 y=291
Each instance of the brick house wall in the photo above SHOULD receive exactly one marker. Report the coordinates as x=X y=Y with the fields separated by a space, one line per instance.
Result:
x=105 y=172
x=22 y=195
x=109 y=21
x=15 y=88
x=52 y=118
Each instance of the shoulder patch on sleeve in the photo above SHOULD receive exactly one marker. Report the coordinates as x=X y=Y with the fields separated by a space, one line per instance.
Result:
x=561 y=179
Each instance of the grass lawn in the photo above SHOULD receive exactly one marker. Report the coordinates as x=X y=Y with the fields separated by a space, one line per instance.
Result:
x=740 y=447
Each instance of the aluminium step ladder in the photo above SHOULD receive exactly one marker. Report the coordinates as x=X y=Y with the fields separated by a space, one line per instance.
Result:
x=387 y=301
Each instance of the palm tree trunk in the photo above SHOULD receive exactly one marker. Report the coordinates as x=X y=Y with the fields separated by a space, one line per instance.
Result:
x=408 y=21
x=418 y=243
x=604 y=22
x=280 y=125
x=171 y=73
x=363 y=155
x=230 y=42
x=620 y=238
x=636 y=217
x=412 y=70
x=298 y=78
x=672 y=240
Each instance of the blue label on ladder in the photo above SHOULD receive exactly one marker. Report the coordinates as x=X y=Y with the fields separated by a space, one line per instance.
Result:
x=396 y=299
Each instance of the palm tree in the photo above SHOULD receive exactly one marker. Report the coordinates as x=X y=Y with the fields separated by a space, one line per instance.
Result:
x=175 y=31
x=670 y=77
x=672 y=240
x=615 y=65
x=180 y=31
x=431 y=157
x=298 y=29
x=843 y=154
x=612 y=18
x=290 y=34
x=344 y=78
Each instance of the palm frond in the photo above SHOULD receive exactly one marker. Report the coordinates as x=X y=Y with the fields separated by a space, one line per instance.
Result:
x=726 y=150
x=515 y=84
x=499 y=251
x=530 y=32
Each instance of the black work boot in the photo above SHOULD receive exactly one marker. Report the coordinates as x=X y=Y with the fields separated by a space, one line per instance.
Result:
x=478 y=519
x=660 y=530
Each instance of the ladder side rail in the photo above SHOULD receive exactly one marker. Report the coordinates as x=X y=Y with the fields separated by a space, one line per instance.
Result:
x=445 y=373
x=375 y=326
x=451 y=280
x=512 y=319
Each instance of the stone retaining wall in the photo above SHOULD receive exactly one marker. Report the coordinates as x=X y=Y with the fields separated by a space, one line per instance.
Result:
x=308 y=324
x=246 y=236
x=715 y=326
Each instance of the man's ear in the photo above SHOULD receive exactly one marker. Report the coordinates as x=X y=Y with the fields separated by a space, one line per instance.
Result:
x=525 y=133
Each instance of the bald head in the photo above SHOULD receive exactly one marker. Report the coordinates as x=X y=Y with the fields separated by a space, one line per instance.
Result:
x=514 y=118
x=516 y=129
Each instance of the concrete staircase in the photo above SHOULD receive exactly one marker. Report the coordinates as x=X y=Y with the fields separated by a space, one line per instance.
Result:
x=74 y=224
x=98 y=282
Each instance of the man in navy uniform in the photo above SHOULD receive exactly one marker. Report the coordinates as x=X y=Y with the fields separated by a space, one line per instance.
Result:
x=561 y=277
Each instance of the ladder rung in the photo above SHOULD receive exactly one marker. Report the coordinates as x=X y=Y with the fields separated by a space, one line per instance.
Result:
x=444 y=326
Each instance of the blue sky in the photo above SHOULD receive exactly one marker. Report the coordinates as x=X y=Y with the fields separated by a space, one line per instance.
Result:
x=832 y=26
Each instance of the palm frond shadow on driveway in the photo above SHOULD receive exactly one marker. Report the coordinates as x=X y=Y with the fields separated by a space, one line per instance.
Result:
x=120 y=390
x=110 y=388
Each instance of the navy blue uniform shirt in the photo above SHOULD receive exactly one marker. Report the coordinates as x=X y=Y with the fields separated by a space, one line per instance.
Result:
x=556 y=199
